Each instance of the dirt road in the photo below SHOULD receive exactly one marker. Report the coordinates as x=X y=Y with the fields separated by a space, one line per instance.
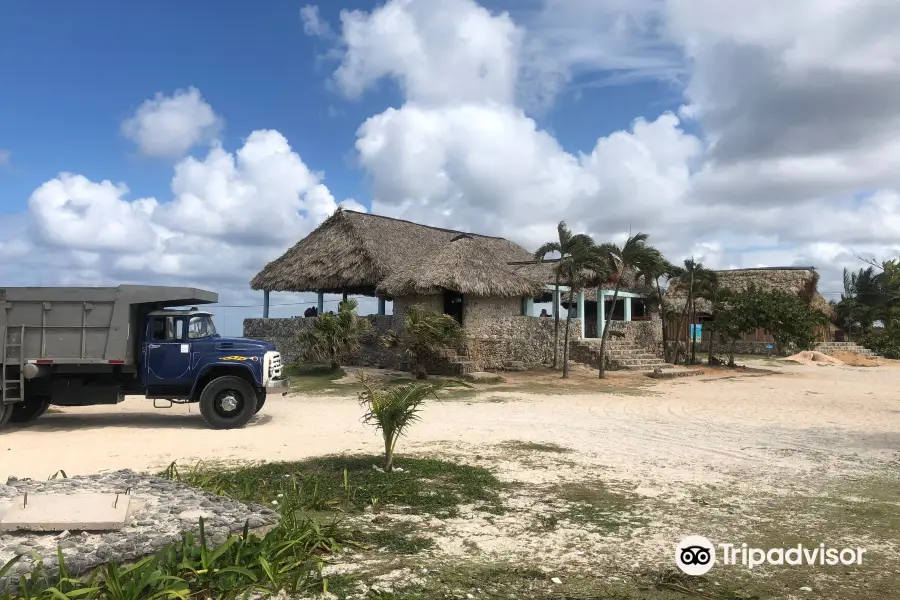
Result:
x=683 y=430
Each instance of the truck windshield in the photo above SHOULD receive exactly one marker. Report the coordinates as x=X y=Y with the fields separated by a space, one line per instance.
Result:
x=201 y=326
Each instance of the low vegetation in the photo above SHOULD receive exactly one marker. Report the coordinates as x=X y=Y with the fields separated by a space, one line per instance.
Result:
x=425 y=333
x=335 y=335
x=350 y=484
x=784 y=316
x=288 y=557
x=393 y=409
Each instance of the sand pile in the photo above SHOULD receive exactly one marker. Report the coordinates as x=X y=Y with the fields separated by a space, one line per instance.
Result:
x=853 y=359
x=809 y=357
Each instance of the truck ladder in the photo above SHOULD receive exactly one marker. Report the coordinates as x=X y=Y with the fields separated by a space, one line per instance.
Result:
x=13 y=388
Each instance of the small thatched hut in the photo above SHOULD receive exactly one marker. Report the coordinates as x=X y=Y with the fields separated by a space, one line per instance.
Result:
x=802 y=281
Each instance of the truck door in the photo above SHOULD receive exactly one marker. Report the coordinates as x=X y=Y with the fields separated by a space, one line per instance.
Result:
x=168 y=353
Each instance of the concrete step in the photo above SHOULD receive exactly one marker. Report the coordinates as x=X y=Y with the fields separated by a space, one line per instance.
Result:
x=640 y=361
x=660 y=365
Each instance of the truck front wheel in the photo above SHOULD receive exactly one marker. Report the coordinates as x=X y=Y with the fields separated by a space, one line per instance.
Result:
x=30 y=409
x=227 y=402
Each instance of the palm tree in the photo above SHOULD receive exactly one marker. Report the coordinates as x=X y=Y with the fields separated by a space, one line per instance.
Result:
x=564 y=244
x=654 y=272
x=394 y=409
x=691 y=277
x=335 y=335
x=426 y=332
x=581 y=257
x=634 y=256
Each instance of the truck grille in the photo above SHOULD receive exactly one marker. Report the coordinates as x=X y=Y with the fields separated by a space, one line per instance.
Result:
x=276 y=366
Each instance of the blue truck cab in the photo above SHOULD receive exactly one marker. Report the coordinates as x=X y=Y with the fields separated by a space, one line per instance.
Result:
x=184 y=359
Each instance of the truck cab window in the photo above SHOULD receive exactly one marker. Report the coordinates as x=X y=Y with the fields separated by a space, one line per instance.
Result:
x=159 y=329
x=201 y=326
x=167 y=329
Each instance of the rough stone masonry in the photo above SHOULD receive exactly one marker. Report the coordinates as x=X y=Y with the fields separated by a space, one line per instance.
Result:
x=161 y=512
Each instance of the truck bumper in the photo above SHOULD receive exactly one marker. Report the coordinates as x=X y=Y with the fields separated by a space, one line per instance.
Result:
x=278 y=384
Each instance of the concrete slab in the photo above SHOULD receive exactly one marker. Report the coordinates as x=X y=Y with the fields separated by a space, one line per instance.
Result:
x=61 y=512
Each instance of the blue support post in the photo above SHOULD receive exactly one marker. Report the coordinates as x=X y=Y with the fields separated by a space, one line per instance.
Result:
x=381 y=306
x=601 y=312
x=265 y=304
x=321 y=303
x=581 y=311
x=628 y=308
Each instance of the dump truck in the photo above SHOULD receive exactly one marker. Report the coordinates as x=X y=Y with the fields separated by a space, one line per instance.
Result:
x=87 y=346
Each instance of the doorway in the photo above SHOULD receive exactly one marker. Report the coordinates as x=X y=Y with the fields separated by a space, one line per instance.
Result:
x=453 y=305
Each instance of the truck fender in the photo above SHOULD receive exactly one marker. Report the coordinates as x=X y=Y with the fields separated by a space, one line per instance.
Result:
x=215 y=370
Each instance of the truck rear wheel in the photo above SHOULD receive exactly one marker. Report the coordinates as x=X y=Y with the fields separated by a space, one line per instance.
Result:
x=227 y=403
x=30 y=409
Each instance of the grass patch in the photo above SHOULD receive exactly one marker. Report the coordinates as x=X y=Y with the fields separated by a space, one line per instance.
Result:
x=350 y=484
x=594 y=504
x=317 y=379
x=399 y=540
x=522 y=446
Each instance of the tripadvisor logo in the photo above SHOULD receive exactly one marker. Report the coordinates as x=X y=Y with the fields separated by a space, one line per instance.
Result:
x=696 y=555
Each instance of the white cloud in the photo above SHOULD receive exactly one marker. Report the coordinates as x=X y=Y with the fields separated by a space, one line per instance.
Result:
x=169 y=126
x=440 y=52
x=5 y=155
x=796 y=109
x=229 y=215
x=313 y=25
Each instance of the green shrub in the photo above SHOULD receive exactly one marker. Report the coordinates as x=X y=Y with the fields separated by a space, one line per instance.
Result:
x=885 y=342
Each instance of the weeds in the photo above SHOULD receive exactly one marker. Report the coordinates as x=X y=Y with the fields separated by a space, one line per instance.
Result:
x=351 y=484
x=289 y=557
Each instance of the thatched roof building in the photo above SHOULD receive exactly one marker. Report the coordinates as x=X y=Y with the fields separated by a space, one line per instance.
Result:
x=802 y=281
x=467 y=264
x=354 y=252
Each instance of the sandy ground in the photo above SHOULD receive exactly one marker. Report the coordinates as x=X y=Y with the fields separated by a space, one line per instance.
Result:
x=738 y=442
x=688 y=430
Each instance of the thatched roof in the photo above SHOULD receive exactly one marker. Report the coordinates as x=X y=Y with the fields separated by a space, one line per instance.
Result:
x=802 y=281
x=466 y=264
x=353 y=252
x=545 y=271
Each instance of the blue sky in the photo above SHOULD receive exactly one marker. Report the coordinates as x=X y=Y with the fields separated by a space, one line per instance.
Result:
x=677 y=118
x=78 y=75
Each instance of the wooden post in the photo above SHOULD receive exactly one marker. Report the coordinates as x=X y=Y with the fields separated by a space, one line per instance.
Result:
x=265 y=304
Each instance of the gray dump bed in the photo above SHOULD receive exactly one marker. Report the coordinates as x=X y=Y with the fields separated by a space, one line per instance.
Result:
x=83 y=325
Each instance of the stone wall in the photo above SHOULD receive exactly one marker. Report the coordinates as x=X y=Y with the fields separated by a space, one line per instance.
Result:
x=401 y=306
x=508 y=339
x=482 y=313
x=740 y=347
x=647 y=334
x=285 y=334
